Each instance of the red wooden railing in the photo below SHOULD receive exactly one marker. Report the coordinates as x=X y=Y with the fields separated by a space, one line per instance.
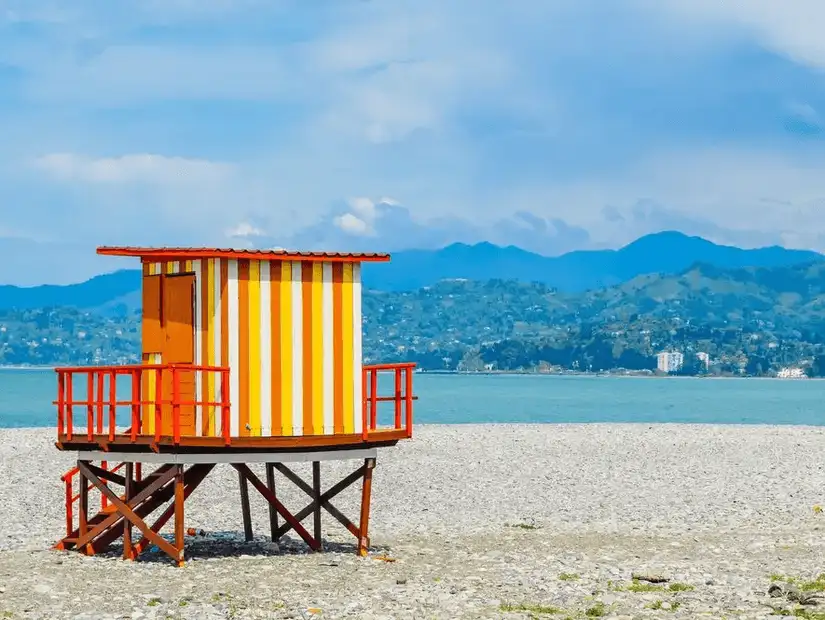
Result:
x=101 y=402
x=402 y=398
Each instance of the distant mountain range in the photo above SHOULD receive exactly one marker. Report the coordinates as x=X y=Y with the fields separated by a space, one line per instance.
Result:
x=661 y=253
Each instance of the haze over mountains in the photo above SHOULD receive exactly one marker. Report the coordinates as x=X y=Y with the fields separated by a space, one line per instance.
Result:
x=666 y=253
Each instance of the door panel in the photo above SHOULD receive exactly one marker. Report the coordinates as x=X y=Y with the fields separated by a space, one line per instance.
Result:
x=179 y=347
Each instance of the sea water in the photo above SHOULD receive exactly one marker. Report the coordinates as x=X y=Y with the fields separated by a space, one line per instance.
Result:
x=26 y=399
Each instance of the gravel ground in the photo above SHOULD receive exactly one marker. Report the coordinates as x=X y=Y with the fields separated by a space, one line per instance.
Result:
x=492 y=521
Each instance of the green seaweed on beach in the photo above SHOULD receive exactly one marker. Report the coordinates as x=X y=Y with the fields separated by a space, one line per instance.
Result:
x=530 y=608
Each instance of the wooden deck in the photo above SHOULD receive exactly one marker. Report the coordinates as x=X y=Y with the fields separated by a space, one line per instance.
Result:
x=123 y=442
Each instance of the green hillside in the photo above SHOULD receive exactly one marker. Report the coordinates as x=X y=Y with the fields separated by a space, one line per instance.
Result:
x=749 y=320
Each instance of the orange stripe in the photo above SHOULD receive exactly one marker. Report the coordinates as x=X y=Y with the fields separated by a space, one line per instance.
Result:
x=275 y=332
x=224 y=322
x=206 y=377
x=338 y=347
x=306 y=324
x=243 y=347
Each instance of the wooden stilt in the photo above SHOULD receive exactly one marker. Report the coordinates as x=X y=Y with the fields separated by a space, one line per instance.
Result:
x=273 y=513
x=179 y=499
x=366 y=493
x=83 y=502
x=316 y=496
x=294 y=523
x=247 y=514
x=127 y=525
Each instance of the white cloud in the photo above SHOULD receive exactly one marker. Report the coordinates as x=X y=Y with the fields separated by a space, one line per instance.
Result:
x=790 y=27
x=245 y=230
x=352 y=224
x=140 y=168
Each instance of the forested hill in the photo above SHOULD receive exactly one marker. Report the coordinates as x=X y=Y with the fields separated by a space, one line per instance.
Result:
x=751 y=320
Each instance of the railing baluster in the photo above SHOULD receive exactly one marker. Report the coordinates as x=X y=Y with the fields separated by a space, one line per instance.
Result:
x=373 y=399
x=175 y=405
x=365 y=430
x=408 y=394
x=90 y=409
x=69 y=405
x=225 y=406
x=137 y=396
x=158 y=394
x=112 y=404
x=397 y=398
x=99 y=401
x=61 y=402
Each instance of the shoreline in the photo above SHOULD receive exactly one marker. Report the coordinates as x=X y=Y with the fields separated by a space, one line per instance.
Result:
x=517 y=373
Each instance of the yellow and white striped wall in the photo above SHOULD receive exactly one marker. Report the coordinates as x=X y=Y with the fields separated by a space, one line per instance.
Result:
x=290 y=333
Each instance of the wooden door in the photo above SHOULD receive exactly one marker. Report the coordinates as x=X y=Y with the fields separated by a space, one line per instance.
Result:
x=179 y=347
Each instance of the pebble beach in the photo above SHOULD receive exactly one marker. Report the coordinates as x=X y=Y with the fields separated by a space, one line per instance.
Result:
x=486 y=521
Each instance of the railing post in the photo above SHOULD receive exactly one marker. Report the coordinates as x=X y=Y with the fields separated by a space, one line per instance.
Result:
x=69 y=504
x=112 y=404
x=100 y=381
x=158 y=395
x=137 y=396
x=69 y=405
x=61 y=402
x=175 y=405
x=225 y=407
x=90 y=409
x=397 y=398
x=408 y=393
x=365 y=430
x=373 y=398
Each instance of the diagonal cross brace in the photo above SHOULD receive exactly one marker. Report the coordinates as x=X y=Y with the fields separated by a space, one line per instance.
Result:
x=128 y=513
x=164 y=475
x=192 y=478
x=324 y=499
x=244 y=470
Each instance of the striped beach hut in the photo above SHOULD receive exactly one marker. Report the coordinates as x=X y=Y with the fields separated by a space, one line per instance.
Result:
x=286 y=324
x=248 y=357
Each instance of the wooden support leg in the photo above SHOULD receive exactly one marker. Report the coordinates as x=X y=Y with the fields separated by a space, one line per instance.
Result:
x=83 y=502
x=247 y=514
x=127 y=525
x=273 y=513
x=316 y=496
x=366 y=493
x=179 y=499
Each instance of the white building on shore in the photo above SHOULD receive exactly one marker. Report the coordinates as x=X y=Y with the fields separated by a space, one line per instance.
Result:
x=670 y=361
x=791 y=373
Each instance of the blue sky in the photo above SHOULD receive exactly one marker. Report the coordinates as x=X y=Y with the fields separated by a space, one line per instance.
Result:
x=378 y=124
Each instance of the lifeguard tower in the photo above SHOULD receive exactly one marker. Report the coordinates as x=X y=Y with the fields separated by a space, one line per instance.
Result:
x=248 y=356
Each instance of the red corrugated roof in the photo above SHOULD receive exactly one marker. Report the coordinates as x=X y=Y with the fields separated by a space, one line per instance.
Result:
x=170 y=253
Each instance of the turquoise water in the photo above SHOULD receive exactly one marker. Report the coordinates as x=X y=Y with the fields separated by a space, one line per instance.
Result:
x=25 y=399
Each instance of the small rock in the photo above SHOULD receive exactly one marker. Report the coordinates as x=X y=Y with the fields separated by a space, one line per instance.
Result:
x=401 y=582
